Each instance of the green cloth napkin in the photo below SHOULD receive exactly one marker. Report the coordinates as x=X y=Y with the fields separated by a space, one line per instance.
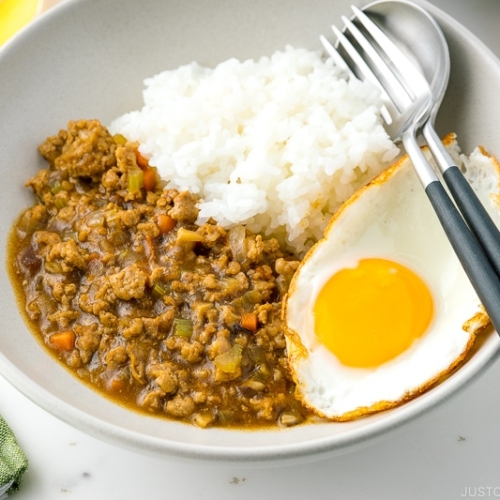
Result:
x=13 y=462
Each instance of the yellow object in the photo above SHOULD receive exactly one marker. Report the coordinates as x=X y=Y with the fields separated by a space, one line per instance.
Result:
x=15 y=14
x=370 y=314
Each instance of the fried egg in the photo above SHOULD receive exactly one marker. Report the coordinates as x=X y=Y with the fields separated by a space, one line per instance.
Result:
x=380 y=309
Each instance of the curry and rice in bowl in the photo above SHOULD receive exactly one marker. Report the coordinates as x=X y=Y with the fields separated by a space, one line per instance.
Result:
x=240 y=253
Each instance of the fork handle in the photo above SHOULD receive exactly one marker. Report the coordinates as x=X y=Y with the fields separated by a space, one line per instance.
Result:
x=471 y=255
x=475 y=214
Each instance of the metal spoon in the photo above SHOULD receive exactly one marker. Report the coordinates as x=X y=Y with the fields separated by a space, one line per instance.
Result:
x=420 y=38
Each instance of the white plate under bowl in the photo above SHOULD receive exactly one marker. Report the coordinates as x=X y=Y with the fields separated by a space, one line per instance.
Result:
x=88 y=59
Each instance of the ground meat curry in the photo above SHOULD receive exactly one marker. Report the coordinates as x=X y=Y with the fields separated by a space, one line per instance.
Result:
x=140 y=302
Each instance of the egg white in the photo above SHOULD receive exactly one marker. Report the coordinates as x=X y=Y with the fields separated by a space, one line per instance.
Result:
x=390 y=218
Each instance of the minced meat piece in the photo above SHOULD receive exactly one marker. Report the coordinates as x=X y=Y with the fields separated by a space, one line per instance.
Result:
x=85 y=149
x=181 y=406
x=184 y=209
x=71 y=254
x=129 y=283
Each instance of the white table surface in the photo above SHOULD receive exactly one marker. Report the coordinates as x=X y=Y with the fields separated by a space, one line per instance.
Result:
x=451 y=453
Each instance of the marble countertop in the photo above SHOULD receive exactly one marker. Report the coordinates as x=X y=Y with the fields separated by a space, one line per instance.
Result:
x=450 y=453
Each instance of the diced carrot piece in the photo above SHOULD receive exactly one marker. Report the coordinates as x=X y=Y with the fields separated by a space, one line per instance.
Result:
x=63 y=341
x=93 y=256
x=149 y=174
x=249 y=321
x=165 y=223
x=149 y=179
x=116 y=384
x=149 y=247
x=141 y=161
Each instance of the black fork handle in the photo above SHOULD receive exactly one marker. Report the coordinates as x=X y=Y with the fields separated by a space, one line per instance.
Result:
x=474 y=260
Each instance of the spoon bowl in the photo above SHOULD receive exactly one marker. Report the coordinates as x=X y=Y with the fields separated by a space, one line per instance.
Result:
x=419 y=37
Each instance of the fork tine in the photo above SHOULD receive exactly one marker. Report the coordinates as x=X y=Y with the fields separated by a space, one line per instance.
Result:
x=359 y=62
x=337 y=58
x=391 y=109
x=409 y=73
x=384 y=74
x=388 y=109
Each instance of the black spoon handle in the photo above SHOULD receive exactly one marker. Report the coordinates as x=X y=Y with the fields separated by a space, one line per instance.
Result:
x=474 y=213
x=474 y=260
x=469 y=251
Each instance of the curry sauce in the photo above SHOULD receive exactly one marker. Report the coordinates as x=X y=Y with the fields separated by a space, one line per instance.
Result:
x=137 y=300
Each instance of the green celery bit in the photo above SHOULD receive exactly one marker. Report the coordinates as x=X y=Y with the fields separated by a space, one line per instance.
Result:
x=187 y=236
x=183 y=327
x=39 y=284
x=257 y=354
x=159 y=291
x=135 y=180
x=59 y=203
x=230 y=361
x=55 y=186
x=112 y=218
x=120 y=139
x=251 y=298
x=96 y=219
x=118 y=237
x=70 y=234
x=53 y=267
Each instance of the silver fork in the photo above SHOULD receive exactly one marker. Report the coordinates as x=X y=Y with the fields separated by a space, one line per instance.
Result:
x=366 y=52
x=416 y=88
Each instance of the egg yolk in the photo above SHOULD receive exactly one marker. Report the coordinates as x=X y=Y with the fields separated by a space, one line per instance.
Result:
x=370 y=314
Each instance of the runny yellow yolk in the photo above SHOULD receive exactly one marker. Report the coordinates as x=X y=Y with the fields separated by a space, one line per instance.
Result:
x=372 y=313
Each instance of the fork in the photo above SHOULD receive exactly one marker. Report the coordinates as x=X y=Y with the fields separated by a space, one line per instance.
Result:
x=364 y=51
x=472 y=210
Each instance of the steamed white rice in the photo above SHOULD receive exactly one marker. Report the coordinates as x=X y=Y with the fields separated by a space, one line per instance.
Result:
x=275 y=144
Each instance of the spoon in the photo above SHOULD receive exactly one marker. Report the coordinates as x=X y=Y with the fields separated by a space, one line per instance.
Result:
x=420 y=38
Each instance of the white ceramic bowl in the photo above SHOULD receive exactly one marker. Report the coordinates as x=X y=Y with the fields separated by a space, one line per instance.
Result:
x=87 y=59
